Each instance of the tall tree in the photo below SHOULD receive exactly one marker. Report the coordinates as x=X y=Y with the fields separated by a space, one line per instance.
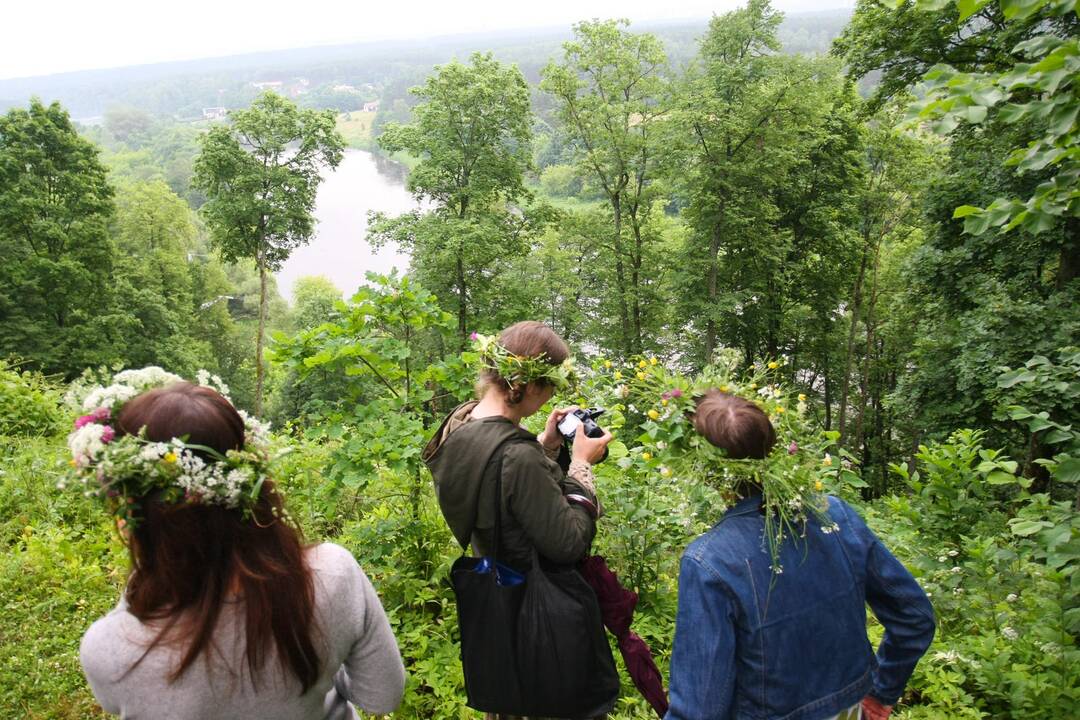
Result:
x=472 y=133
x=611 y=92
x=1001 y=285
x=157 y=239
x=260 y=174
x=767 y=152
x=55 y=206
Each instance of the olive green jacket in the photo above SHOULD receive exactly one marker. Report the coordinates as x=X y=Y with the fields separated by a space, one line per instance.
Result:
x=535 y=511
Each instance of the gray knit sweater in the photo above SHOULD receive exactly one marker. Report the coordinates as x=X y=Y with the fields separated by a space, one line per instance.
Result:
x=363 y=665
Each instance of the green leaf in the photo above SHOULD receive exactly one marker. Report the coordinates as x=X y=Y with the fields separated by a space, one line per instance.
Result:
x=1026 y=528
x=1013 y=112
x=1057 y=435
x=1068 y=470
x=999 y=477
x=968 y=8
x=965 y=210
x=1020 y=375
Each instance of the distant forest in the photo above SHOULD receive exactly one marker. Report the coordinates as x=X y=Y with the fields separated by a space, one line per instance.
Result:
x=363 y=72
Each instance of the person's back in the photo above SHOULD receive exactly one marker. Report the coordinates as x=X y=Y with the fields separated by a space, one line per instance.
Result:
x=360 y=659
x=796 y=646
x=783 y=637
x=225 y=613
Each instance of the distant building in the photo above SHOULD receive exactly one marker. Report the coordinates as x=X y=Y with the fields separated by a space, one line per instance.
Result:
x=372 y=106
x=268 y=84
x=214 y=113
x=342 y=88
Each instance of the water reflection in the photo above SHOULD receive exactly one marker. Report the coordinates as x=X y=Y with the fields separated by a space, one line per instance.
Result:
x=362 y=182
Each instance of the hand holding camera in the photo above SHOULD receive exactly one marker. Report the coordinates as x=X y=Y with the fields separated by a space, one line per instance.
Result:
x=587 y=439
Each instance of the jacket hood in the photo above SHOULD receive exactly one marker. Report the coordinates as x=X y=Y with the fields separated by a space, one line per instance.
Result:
x=458 y=455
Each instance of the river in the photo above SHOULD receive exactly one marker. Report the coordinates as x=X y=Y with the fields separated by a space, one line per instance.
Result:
x=362 y=182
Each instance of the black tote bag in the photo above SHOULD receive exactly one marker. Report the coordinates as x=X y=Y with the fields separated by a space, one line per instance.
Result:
x=535 y=647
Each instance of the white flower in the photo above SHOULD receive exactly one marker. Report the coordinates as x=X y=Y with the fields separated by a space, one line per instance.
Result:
x=942 y=558
x=1012 y=597
x=956 y=570
x=86 y=443
x=954 y=553
x=1009 y=634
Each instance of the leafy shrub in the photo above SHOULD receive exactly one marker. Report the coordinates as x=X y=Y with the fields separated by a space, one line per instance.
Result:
x=29 y=403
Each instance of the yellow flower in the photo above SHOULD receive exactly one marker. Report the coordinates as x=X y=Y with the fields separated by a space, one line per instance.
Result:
x=607 y=364
x=665 y=472
x=653 y=361
x=773 y=365
x=664 y=402
x=802 y=397
x=818 y=485
x=827 y=461
x=641 y=364
x=753 y=386
x=72 y=462
x=780 y=410
x=169 y=457
x=723 y=388
x=641 y=376
x=646 y=456
x=617 y=375
x=654 y=415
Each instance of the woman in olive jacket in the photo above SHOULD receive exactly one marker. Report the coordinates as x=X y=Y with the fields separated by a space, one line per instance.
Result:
x=541 y=506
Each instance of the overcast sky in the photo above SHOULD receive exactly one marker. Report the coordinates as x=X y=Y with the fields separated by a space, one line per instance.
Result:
x=40 y=37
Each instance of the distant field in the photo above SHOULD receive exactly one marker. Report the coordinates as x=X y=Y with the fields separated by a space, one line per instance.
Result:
x=356 y=128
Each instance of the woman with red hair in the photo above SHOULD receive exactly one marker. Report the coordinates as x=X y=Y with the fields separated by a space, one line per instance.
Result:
x=226 y=613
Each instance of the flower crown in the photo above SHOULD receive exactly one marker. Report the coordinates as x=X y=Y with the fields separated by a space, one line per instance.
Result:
x=794 y=477
x=122 y=469
x=522 y=369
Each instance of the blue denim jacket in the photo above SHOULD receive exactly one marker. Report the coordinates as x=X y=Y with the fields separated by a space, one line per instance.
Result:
x=752 y=646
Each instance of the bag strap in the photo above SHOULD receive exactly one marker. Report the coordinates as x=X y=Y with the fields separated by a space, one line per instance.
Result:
x=500 y=450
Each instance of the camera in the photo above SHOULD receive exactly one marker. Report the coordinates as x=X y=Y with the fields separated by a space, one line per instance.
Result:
x=569 y=424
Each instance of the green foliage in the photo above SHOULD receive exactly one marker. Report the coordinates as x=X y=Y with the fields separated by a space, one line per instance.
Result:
x=260 y=175
x=29 y=403
x=55 y=204
x=472 y=134
x=1000 y=566
x=1037 y=90
x=611 y=93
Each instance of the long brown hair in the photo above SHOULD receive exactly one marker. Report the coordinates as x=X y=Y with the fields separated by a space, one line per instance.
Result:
x=527 y=338
x=186 y=558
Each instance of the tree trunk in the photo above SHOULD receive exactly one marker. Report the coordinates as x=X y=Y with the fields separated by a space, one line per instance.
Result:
x=856 y=310
x=620 y=278
x=261 y=261
x=828 y=386
x=635 y=284
x=463 y=318
x=710 y=324
x=1069 y=257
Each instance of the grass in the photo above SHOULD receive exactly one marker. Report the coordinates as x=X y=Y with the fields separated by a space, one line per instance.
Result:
x=355 y=127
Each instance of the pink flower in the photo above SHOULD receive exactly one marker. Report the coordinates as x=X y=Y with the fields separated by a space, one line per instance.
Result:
x=107 y=434
x=676 y=393
x=474 y=335
x=793 y=448
x=99 y=415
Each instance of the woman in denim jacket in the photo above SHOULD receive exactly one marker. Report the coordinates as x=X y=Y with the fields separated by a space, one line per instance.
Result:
x=753 y=645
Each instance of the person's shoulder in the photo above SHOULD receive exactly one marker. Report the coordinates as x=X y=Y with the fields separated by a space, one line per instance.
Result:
x=106 y=646
x=331 y=559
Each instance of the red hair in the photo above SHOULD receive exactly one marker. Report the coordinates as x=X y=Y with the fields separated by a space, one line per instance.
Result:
x=187 y=558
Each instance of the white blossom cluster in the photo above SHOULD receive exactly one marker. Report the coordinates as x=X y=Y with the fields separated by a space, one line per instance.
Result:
x=131 y=466
x=206 y=379
x=126 y=385
x=88 y=442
